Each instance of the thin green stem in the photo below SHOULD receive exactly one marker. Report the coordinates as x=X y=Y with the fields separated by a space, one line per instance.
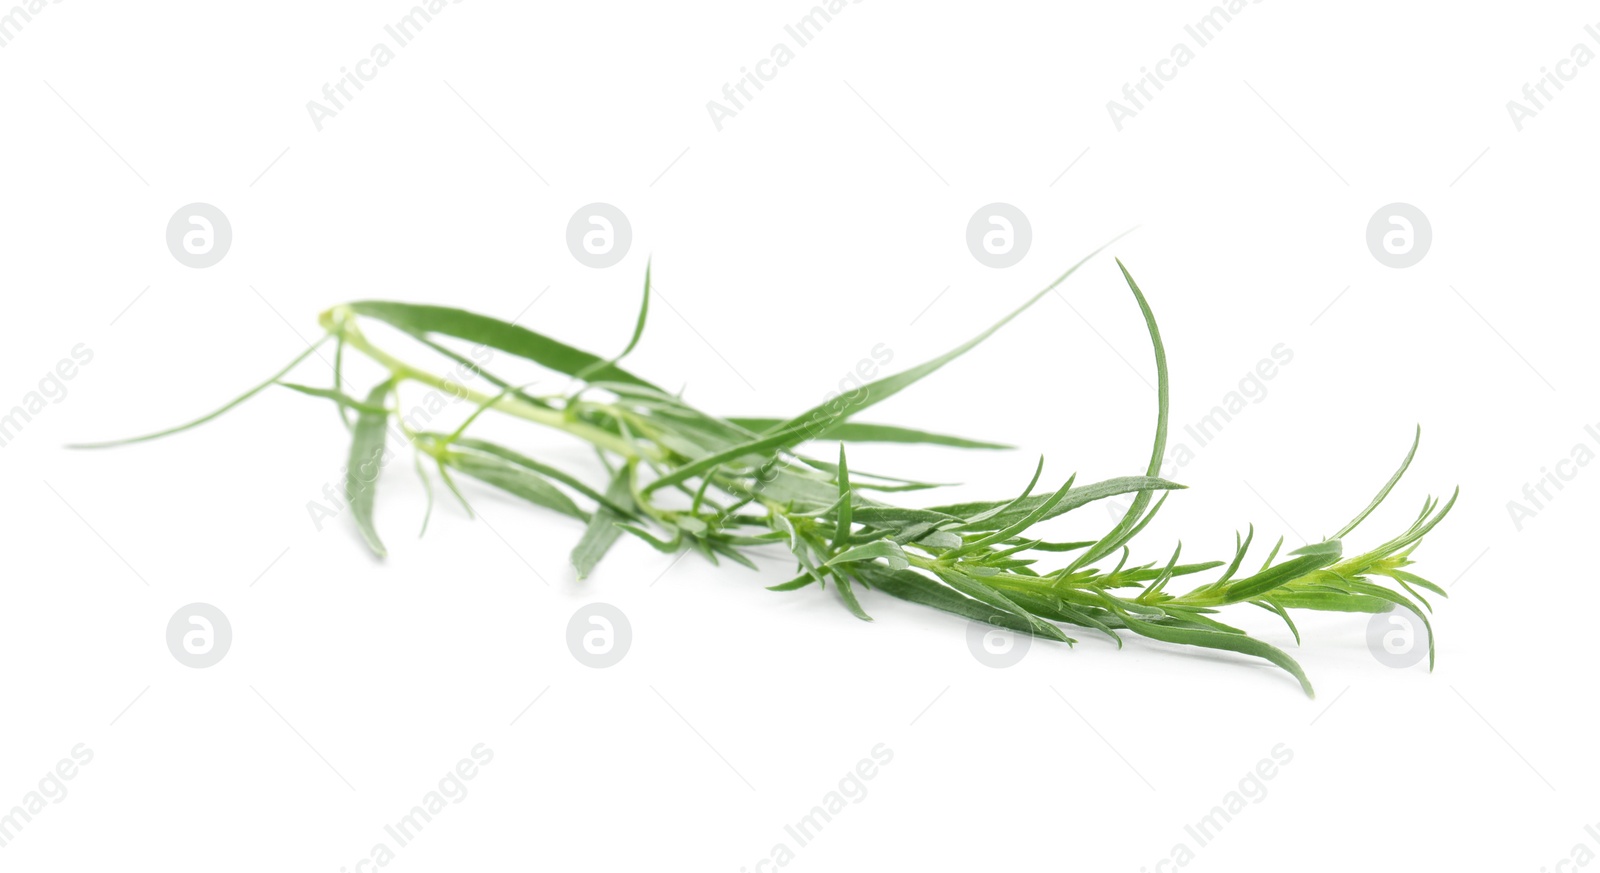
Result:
x=508 y=405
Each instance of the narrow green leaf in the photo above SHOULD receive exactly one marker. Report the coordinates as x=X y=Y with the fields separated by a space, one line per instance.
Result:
x=450 y=483
x=1414 y=579
x=899 y=517
x=619 y=507
x=1020 y=525
x=857 y=475
x=841 y=533
x=820 y=419
x=885 y=549
x=861 y=432
x=1056 y=609
x=938 y=539
x=1073 y=500
x=732 y=554
x=427 y=490
x=979 y=591
x=1114 y=539
x=660 y=545
x=1166 y=574
x=1210 y=639
x=1238 y=554
x=847 y=593
x=338 y=397
x=1062 y=547
x=1307 y=560
x=1273 y=554
x=638 y=331
x=1420 y=529
x=1269 y=606
x=602 y=531
x=518 y=481
x=273 y=379
x=913 y=587
x=1327 y=601
x=338 y=379
x=1120 y=540
x=1384 y=492
x=475 y=368
x=976 y=520
x=1399 y=600
x=502 y=336
x=367 y=448
x=794 y=584
x=480 y=410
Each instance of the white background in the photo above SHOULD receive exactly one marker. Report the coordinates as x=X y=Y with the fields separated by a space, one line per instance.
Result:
x=821 y=221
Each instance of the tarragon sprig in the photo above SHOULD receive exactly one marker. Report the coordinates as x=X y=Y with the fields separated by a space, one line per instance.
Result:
x=679 y=479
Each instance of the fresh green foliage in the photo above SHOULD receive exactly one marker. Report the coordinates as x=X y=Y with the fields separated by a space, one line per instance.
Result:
x=366 y=461
x=680 y=479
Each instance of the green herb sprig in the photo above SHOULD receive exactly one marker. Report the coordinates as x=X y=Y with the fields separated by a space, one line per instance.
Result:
x=683 y=479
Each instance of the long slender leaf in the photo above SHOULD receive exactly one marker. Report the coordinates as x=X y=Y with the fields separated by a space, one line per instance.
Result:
x=861 y=432
x=844 y=513
x=1074 y=499
x=638 y=331
x=847 y=593
x=367 y=448
x=618 y=507
x=338 y=397
x=1113 y=540
x=496 y=334
x=1307 y=560
x=914 y=587
x=271 y=380
x=518 y=481
x=1384 y=492
x=885 y=549
x=602 y=531
x=820 y=419
x=1211 y=639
